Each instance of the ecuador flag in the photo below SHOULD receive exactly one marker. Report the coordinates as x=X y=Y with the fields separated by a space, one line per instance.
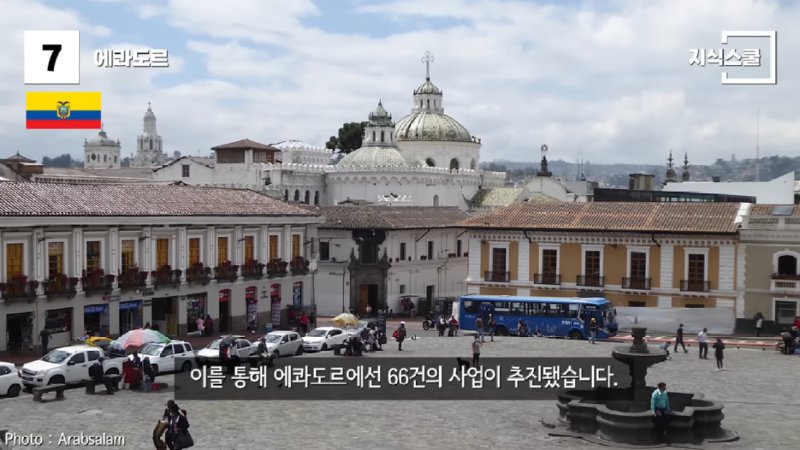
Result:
x=62 y=110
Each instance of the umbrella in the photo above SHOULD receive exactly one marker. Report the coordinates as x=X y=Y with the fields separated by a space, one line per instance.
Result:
x=345 y=320
x=98 y=341
x=137 y=338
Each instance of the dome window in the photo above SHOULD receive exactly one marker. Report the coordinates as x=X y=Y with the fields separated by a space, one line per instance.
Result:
x=373 y=136
x=472 y=164
x=453 y=164
x=430 y=162
x=436 y=200
x=307 y=198
x=383 y=136
x=297 y=195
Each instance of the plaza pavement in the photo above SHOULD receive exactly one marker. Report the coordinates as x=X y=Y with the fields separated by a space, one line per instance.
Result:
x=761 y=405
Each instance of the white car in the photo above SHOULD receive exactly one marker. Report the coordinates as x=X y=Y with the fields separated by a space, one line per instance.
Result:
x=10 y=382
x=210 y=353
x=282 y=343
x=323 y=338
x=67 y=365
x=163 y=357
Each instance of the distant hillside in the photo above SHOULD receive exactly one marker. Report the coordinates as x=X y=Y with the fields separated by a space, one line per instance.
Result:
x=616 y=175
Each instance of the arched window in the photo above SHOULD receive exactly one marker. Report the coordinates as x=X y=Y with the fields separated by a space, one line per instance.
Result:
x=472 y=164
x=316 y=198
x=436 y=200
x=430 y=162
x=151 y=144
x=297 y=195
x=115 y=158
x=308 y=198
x=429 y=103
x=286 y=195
x=373 y=136
x=787 y=265
x=453 y=164
x=383 y=136
x=105 y=158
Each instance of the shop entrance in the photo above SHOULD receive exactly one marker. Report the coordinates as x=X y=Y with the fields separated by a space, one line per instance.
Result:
x=196 y=309
x=19 y=331
x=224 y=310
x=367 y=296
x=130 y=316
x=95 y=320
x=165 y=315
x=252 y=308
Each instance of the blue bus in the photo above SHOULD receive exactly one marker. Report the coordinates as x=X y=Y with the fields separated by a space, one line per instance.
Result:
x=545 y=316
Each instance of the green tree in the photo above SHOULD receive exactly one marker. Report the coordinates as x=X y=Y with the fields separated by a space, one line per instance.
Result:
x=349 y=138
x=64 y=160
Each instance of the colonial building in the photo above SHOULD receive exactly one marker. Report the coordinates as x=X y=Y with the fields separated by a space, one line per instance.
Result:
x=768 y=270
x=110 y=258
x=634 y=254
x=376 y=254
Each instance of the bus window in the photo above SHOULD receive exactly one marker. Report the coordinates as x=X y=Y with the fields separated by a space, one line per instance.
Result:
x=573 y=310
x=472 y=307
x=501 y=308
x=538 y=309
x=517 y=308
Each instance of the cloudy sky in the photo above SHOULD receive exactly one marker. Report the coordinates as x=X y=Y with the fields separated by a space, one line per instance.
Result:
x=604 y=81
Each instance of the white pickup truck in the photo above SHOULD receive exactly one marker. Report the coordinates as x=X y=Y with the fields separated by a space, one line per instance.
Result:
x=67 y=365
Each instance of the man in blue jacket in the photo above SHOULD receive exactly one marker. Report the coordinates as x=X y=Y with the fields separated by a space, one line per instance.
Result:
x=659 y=404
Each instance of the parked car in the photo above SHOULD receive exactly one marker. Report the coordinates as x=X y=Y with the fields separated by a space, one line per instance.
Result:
x=210 y=353
x=10 y=382
x=323 y=338
x=163 y=357
x=282 y=343
x=66 y=365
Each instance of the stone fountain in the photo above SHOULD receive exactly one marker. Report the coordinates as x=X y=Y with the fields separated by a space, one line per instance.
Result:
x=623 y=415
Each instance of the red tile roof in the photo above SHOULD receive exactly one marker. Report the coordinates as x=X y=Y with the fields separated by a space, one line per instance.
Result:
x=57 y=199
x=246 y=144
x=355 y=217
x=769 y=210
x=612 y=216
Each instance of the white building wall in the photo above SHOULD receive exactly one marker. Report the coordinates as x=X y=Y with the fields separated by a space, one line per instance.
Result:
x=199 y=174
x=777 y=191
x=442 y=152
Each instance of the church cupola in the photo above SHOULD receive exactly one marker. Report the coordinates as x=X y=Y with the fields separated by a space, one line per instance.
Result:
x=671 y=175
x=427 y=96
x=149 y=145
x=379 y=129
x=685 y=174
x=543 y=171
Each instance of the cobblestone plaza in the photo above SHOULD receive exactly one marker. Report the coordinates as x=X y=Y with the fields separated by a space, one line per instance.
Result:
x=761 y=405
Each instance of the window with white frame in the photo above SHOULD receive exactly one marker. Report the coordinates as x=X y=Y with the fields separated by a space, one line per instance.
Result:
x=15 y=260
x=785 y=309
x=195 y=246
x=127 y=251
x=549 y=263
x=55 y=258
x=94 y=249
x=638 y=268
x=498 y=262
x=695 y=269
x=785 y=264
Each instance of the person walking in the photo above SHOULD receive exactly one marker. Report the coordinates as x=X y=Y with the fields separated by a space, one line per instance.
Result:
x=759 y=322
x=201 y=326
x=592 y=330
x=719 y=346
x=492 y=326
x=659 y=404
x=679 y=339
x=476 y=351
x=479 y=327
x=702 y=340
x=177 y=436
x=400 y=335
x=44 y=337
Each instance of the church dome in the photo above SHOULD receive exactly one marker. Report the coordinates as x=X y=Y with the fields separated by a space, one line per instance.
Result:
x=102 y=139
x=427 y=88
x=431 y=126
x=378 y=156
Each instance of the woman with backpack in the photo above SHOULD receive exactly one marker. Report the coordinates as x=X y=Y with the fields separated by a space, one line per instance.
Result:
x=177 y=433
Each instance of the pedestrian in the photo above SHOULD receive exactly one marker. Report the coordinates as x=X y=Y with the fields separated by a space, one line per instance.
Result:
x=659 y=404
x=788 y=341
x=759 y=322
x=369 y=311
x=201 y=326
x=177 y=435
x=400 y=335
x=679 y=339
x=592 y=330
x=441 y=325
x=476 y=351
x=391 y=313
x=492 y=326
x=44 y=337
x=718 y=348
x=208 y=325
x=702 y=340
x=147 y=326
x=149 y=372
x=479 y=327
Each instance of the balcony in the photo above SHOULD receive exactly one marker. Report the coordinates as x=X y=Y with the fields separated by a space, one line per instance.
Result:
x=198 y=274
x=253 y=270
x=19 y=288
x=226 y=272
x=695 y=286
x=277 y=268
x=597 y=281
x=497 y=277
x=165 y=277
x=59 y=285
x=95 y=280
x=549 y=279
x=299 y=265
x=636 y=283
x=132 y=279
